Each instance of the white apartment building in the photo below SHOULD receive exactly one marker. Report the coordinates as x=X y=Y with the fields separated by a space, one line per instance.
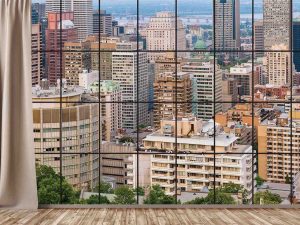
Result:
x=195 y=159
x=133 y=81
x=276 y=22
x=203 y=88
x=279 y=65
x=83 y=14
x=161 y=34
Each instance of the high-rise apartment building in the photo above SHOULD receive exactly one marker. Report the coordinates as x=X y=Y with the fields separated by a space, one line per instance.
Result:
x=104 y=20
x=133 y=81
x=80 y=134
x=76 y=58
x=227 y=24
x=195 y=169
x=36 y=54
x=111 y=109
x=55 y=39
x=274 y=142
x=161 y=34
x=279 y=65
x=166 y=87
x=276 y=23
x=206 y=87
x=83 y=14
x=259 y=38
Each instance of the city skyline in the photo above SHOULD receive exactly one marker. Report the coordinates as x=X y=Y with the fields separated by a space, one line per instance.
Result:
x=184 y=105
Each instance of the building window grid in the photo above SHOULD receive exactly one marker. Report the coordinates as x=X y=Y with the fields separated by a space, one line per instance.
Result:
x=215 y=51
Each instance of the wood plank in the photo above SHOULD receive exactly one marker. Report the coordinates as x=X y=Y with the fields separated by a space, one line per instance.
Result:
x=151 y=216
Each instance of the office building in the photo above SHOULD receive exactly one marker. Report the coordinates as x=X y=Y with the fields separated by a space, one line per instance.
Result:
x=54 y=43
x=296 y=45
x=276 y=23
x=243 y=74
x=133 y=81
x=102 y=21
x=161 y=34
x=204 y=89
x=40 y=8
x=80 y=134
x=54 y=6
x=36 y=55
x=259 y=38
x=172 y=96
x=227 y=25
x=83 y=14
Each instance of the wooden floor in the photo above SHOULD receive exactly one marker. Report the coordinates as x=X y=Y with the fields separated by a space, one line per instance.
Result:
x=152 y=216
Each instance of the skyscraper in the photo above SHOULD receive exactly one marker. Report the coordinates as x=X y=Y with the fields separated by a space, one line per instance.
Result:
x=54 y=6
x=203 y=88
x=227 y=24
x=105 y=21
x=125 y=71
x=55 y=42
x=276 y=23
x=161 y=34
x=83 y=17
x=259 y=38
x=83 y=14
x=296 y=44
x=36 y=54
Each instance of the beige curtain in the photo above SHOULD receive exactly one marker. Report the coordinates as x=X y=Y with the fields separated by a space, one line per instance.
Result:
x=17 y=165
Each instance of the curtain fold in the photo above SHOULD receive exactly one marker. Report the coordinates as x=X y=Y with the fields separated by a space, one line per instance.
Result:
x=17 y=165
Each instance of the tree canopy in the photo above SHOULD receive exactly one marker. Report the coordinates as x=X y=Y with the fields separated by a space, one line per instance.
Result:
x=51 y=187
x=158 y=196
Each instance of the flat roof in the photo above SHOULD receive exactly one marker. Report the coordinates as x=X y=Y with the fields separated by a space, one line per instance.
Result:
x=223 y=140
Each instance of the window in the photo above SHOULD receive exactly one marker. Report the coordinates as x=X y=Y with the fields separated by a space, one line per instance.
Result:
x=142 y=97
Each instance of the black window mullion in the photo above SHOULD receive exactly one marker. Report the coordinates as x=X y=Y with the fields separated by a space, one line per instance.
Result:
x=176 y=98
x=60 y=107
x=291 y=100
x=99 y=105
x=253 y=162
x=214 y=100
x=137 y=102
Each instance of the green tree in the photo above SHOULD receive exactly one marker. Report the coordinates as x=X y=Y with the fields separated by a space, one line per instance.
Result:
x=94 y=199
x=126 y=140
x=211 y=198
x=140 y=191
x=259 y=180
x=124 y=195
x=50 y=186
x=158 y=196
x=266 y=198
x=219 y=197
x=104 y=187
